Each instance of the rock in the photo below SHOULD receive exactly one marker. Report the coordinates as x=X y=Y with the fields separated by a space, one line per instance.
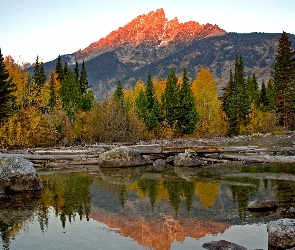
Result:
x=170 y=159
x=222 y=245
x=289 y=213
x=281 y=233
x=18 y=175
x=262 y=205
x=188 y=159
x=122 y=157
x=159 y=164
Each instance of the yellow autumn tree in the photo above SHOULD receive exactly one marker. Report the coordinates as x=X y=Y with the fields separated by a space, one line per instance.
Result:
x=261 y=121
x=19 y=79
x=159 y=86
x=213 y=119
x=30 y=126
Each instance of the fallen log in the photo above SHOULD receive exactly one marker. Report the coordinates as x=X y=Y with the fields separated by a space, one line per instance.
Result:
x=197 y=149
x=256 y=158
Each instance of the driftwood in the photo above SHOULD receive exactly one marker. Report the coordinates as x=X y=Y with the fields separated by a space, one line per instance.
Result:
x=256 y=158
x=89 y=154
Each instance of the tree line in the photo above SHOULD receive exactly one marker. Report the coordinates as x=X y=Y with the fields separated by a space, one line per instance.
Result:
x=36 y=111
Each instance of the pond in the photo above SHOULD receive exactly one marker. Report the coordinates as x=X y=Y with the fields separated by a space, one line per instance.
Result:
x=140 y=208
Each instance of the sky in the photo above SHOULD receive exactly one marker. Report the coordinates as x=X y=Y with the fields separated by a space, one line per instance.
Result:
x=49 y=28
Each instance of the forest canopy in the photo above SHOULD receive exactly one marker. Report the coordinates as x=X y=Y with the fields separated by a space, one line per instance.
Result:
x=60 y=109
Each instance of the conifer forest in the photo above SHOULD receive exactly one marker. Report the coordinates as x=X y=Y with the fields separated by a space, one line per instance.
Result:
x=37 y=110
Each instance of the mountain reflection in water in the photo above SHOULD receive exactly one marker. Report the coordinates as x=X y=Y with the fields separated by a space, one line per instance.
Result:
x=155 y=210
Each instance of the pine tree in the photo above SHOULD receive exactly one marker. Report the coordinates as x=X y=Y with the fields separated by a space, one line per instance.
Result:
x=118 y=94
x=170 y=99
x=39 y=73
x=188 y=115
x=150 y=92
x=141 y=104
x=70 y=92
x=7 y=87
x=255 y=91
x=76 y=71
x=59 y=69
x=153 y=107
x=52 y=98
x=84 y=85
x=237 y=103
x=270 y=90
x=263 y=100
x=284 y=82
x=252 y=88
x=229 y=106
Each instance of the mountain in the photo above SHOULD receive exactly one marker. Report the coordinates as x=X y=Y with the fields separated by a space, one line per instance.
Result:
x=152 y=43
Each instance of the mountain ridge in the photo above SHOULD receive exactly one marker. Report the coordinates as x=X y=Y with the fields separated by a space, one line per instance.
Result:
x=141 y=46
x=152 y=28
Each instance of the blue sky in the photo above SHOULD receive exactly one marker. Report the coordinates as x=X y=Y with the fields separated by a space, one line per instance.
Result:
x=48 y=28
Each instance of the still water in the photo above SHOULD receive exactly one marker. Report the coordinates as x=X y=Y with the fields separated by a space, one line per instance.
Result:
x=139 y=208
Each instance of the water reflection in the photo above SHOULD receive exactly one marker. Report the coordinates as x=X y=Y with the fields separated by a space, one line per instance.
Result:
x=15 y=213
x=154 y=209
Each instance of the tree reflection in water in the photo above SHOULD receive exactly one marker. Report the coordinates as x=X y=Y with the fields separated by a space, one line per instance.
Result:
x=120 y=200
x=67 y=194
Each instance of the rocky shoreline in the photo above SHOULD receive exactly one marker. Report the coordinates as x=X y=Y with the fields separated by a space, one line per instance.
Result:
x=178 y=152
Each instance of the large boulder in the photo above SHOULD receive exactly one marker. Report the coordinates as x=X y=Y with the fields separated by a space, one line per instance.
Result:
x=281 y=233
x=18 y=175
x=222 y=245
x=122 y=157
x=188 y=159
x=262 y=205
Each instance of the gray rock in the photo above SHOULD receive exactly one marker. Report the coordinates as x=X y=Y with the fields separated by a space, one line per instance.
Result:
x=222 y=245
x=289 y=213
x=170 y=159
x=188 y=159
x=122 y=157
x=262 y=205
x=18 y=175
x=281 y=233
x=159 y=164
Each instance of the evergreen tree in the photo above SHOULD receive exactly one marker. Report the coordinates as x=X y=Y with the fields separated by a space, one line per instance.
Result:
x=76 y=71
x=153 y=107
x=270 y=90
x=70 y=92
x=150 y=92
x=59 y=69
x=263 y=100
x=7 y=87
x=255 y=91
x=252 y=88
x=237 y=103
x=39 y=73
x=52 y=98
x=141 y=104
x=188 y=115
x=84 y=85
x=118 y=94
x=284 y=82
x=170 y=99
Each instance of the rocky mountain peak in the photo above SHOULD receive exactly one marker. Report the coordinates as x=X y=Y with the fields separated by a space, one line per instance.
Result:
x=152 y=28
